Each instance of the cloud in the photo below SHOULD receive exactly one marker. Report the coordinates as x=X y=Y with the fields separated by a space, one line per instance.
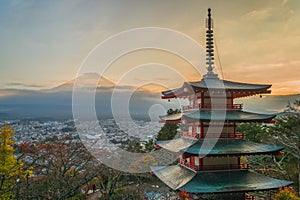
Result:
x=281 y=73
x=288 y=87
x=258 y=14
x=18 y=84
x=17 y=92
x=6 y=93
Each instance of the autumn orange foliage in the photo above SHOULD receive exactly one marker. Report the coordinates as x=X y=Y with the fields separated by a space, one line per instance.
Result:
x=286 y=193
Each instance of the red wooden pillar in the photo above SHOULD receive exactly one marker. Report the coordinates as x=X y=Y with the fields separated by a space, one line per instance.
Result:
x=202 y=99
x=192 y=160
x=201 y=130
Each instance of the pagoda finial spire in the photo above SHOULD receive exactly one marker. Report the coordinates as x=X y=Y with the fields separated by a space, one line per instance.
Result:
x=209 y=22
x=209 y=47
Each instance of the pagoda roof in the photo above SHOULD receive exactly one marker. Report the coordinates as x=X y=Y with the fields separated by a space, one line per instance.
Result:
x=220 y=147
x=178 y=177
x=231 y=147
x=242 y=89
x=177 y=144
x=175 y=176
x=219 y=115
x=216 y=83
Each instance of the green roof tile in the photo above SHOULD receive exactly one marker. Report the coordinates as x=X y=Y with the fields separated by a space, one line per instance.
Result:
x=181 y=178
x=229 y=115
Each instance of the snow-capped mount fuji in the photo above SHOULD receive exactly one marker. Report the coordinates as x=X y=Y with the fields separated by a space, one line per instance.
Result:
x=86 y=79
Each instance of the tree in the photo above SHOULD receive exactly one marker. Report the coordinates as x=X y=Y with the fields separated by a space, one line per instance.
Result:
x=168 y=131
x=293 y=107
x=11 y=168
x=254 y=132
x=63 y=170
x=285 y=194
x=286 y=132
x=109 y=182
x=149 y=146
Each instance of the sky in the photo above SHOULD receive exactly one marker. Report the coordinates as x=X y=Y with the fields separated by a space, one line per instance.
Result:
x=43 y=43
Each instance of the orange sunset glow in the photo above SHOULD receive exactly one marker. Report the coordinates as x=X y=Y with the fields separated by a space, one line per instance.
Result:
x=256 y=42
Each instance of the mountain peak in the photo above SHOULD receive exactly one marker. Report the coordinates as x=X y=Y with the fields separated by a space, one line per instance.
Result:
x=85 y=79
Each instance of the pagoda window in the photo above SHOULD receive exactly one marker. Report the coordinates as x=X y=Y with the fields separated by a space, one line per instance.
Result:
x=199 y=101
x=198 y=130
x=191 y=103
x=220 y=163
x=188 y=160
x=196 y=161
x=196 y=103
x=190 y=130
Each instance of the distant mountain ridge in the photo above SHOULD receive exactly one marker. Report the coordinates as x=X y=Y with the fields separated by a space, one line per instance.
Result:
x=268 y=103
x=85 y=78
x=57 y=102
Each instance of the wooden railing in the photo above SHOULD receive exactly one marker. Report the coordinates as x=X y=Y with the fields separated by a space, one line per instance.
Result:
x=244 y=166
x=249 y=197
x=210 y=106
x=190 y=165
x=192 y=136
x=214 y=167
x=239 y=135
x=188 y=107
x=237 y=106
x=236 y=135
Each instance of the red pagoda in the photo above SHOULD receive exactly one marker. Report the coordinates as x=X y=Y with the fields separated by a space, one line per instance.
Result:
x=210 y=148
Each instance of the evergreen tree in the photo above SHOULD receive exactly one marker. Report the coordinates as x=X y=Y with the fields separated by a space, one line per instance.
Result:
x=254 y=132
x=168 y=131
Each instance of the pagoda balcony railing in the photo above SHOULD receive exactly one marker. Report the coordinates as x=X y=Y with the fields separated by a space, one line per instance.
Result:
x=190 y=108
x=214 y=167
x=189 y=135
x=239 y=135
x=236 y=135
x=237 y=106
x=190 y=165
x=244 y=166
x=209 y=106
x=249 y=196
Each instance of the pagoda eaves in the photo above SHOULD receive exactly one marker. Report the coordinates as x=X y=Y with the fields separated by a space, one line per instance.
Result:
x=223 y=147
x=238 y=89
x=178 y=177
x=219 y=115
